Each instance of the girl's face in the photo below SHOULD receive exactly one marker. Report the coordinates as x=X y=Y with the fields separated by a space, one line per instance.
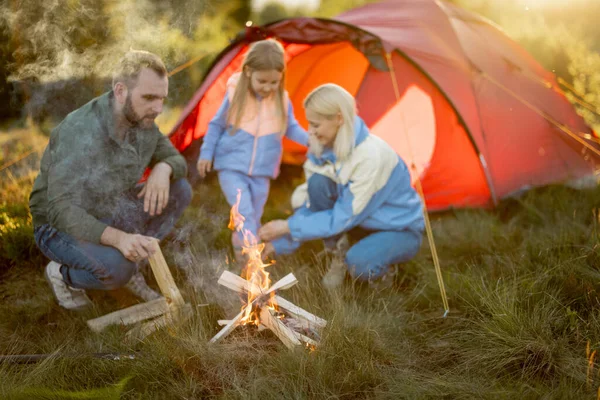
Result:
x=263 y=83
x=323 y=128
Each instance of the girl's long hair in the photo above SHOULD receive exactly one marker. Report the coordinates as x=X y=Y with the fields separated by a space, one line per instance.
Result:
x=328 y=100
x=263 y=55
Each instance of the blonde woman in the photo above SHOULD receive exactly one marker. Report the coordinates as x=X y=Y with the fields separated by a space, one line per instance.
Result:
x=244 y=139
x=355 y=181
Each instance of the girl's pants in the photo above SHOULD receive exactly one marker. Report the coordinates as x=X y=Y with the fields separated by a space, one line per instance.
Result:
x=254 y=193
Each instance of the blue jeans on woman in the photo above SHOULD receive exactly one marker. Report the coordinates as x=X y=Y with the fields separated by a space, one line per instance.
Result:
x=87 y=265
x=370 y=257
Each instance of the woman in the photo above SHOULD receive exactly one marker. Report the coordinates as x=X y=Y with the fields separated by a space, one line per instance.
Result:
x=354 y=180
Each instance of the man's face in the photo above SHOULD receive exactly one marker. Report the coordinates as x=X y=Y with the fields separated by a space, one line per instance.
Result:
x=145 y=100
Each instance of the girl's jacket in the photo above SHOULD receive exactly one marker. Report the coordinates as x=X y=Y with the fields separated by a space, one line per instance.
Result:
x=374 y=192
x=255 y=149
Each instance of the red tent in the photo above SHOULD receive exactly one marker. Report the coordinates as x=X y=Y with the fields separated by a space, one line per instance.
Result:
x=476 y=116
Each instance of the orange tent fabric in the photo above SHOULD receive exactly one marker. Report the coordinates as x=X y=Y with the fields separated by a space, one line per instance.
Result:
x=472 y=113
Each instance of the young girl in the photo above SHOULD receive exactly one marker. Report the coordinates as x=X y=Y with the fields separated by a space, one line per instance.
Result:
x=244 y=139
x=354 y=180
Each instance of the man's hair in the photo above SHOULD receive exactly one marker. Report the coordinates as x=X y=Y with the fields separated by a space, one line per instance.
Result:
x=129 y=67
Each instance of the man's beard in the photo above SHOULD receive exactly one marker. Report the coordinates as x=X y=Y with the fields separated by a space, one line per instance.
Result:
x=133 y=118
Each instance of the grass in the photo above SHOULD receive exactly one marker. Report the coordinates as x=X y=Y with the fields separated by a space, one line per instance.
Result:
x=522 y=281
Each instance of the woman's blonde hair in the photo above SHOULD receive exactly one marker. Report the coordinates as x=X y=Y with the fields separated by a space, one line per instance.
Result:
x=263 y=55
x=329 y=100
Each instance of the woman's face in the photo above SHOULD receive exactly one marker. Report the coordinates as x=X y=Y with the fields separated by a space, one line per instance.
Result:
x=323 y=128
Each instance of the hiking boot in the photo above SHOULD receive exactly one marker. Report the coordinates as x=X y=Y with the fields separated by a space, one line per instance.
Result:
x=335 y=274
x=386 y=281
x=138 y=286
x=67 y=297
x=334 y=277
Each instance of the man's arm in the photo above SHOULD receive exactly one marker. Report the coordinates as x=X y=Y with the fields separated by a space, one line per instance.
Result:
x=166 y=153
x=68 y=168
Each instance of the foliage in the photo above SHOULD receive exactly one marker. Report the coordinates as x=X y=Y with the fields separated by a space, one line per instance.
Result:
x=563 y=37
x=272 y=12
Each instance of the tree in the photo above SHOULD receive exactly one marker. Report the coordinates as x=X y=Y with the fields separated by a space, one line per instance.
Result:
x=272 y=12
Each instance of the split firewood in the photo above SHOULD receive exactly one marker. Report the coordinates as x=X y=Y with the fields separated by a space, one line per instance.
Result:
x=130 y=315
x=168 y=319
x=306 y=339
x=164 y=278
x=285 y=334
x=227 y=329
x=298 y=312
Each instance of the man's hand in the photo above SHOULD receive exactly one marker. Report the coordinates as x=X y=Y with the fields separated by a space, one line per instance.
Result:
x=156 y=189
x=137 y=247
x=204 y=167
x=134 y=247
x=274 y=230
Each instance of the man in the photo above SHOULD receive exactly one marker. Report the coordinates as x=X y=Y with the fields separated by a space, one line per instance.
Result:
x=91 y=216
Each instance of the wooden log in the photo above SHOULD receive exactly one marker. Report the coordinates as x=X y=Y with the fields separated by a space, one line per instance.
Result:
x=233 y=282
x=298 y=312
x=285 y=334
x=239 y=284
x=284 y=283
x=306 y=339
x=164 y=278
x=227 y=329
x=169 y=318
x=130 y=315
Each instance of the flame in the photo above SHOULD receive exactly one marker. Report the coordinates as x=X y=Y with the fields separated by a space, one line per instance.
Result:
x=254 y=270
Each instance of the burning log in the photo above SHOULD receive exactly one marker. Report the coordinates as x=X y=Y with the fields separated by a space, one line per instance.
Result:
x=290 y=329
x=264 y=307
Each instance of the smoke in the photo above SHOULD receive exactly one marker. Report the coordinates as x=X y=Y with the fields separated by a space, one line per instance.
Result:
x=59 y=39
x=59 y=54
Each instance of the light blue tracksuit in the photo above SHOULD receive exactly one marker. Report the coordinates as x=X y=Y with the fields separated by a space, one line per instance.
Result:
x=251 y=157
x=371 y=190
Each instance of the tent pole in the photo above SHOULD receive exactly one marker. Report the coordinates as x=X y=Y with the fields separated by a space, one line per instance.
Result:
x=419 y=187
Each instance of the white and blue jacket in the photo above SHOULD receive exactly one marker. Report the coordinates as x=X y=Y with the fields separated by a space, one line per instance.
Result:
x=374 y=192
x=256 y=148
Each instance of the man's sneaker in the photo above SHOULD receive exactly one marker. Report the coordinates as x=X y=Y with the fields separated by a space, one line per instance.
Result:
x=334 y=277
x=67 y=297
x=138 y=286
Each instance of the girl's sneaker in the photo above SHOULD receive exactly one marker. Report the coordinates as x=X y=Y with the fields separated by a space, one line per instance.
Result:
x=67 y=297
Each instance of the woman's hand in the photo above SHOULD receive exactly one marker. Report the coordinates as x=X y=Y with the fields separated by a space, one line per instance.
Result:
x=274 y=230
x=268 y=251
x=204 y=167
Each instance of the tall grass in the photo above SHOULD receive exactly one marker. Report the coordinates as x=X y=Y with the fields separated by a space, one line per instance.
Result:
x=522 y=282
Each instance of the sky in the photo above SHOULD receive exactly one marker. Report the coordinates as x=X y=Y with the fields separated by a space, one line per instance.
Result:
x=257 y=4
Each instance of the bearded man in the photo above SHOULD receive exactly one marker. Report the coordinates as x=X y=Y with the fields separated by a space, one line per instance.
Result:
x=91 y=215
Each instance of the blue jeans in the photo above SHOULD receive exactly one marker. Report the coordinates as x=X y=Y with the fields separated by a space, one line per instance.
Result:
x=254 y=190
x=370 y=257
x=87 y=265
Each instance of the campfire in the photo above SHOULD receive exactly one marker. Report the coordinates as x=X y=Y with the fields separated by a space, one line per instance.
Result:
x=263 y=306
